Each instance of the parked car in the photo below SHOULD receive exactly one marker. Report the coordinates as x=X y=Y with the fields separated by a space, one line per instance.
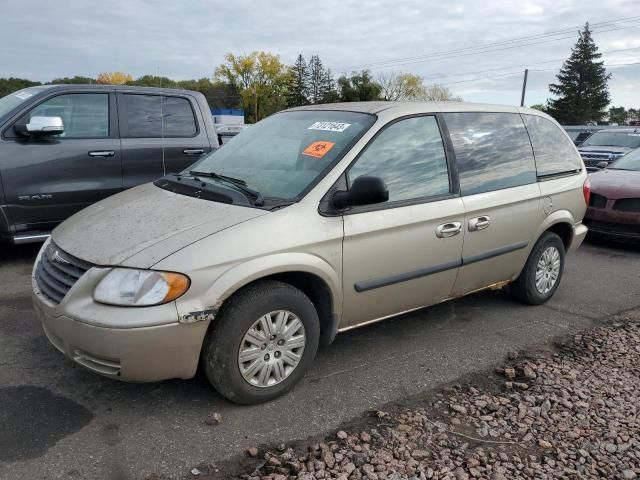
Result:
x=579 y=133
x=614 y=208
x=65 y=147
x=227 y=131
x=314 y=221
x=606 y=146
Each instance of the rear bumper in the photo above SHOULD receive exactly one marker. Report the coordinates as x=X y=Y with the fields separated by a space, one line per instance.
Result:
x=142 y=354
x=579 y=234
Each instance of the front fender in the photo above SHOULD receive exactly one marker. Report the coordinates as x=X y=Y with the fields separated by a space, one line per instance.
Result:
x=208 y=303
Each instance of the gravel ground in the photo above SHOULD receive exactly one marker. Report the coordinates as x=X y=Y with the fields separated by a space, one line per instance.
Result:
x=570 y=413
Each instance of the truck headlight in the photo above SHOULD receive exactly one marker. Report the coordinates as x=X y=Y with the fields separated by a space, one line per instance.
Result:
x=129 y=287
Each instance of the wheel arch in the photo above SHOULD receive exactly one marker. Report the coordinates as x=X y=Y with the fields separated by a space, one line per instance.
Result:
x=308 y=273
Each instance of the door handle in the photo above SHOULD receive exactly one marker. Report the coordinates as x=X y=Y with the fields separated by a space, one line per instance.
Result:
x=479 y=223
x=102 y=153
x=193 y=151
x=448 y=229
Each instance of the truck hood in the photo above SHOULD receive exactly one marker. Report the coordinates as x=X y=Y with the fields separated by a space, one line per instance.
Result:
x=141 y=226
x=615 y=184
x=603 y=149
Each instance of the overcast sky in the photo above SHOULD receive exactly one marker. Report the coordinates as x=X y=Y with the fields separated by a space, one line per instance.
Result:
x=188 y=38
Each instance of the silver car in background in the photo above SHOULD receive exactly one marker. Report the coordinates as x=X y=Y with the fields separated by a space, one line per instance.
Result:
x=314 y=221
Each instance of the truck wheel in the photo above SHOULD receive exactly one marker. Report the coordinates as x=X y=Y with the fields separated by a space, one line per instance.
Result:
x=262 y=342
x=541 y=275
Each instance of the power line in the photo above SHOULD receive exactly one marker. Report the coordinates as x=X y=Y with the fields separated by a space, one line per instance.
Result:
x=507 y=67
x=509 y=43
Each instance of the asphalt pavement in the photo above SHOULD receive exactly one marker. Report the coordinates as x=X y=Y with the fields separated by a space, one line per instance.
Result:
x=60 y=421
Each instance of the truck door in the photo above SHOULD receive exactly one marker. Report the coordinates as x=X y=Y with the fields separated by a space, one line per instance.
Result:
x=46 y=179
x=160 y=134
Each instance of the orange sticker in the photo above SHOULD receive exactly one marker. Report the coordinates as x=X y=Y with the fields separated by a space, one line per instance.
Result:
x=318 y=149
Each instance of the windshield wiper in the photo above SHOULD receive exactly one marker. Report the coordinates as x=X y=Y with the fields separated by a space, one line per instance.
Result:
x=236 y=182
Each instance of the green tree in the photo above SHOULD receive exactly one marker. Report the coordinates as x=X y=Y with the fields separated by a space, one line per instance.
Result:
x=618 y=115
x=77 y=79
x=328 y=91
x=400 y=86
x=317 y=79
x=10 y=85
x=260 y=78
x=153 y=81
x=359 y=87
x=298 y=83
x=438 y=93
x=539 y=106
x=582 y=91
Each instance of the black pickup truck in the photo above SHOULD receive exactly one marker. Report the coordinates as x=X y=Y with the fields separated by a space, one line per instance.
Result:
x=64 y=147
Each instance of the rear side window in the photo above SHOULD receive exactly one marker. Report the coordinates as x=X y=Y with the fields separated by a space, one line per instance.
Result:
x=156 y=116
x=554 y=152
x=84 y=115
x=409 y=156
x=493 y=151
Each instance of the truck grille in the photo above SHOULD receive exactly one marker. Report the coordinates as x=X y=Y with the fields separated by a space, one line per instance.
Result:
x=627 y=205
x=57 y=272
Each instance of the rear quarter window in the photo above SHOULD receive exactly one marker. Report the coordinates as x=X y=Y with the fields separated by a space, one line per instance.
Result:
x=492 y=150
x=553 y=151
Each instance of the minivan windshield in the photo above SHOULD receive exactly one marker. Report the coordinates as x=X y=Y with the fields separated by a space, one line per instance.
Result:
x=628 y=162
x=629 y=139
x=283 y=155
x=11 y=101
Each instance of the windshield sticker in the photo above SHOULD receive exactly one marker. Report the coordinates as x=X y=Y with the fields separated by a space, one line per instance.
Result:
x=318 y=149
x=24 y=95
x=330 y=126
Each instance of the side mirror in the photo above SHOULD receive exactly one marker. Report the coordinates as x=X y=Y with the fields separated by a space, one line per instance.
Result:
x=39 y=126
x=365 y=190
x=602 y=164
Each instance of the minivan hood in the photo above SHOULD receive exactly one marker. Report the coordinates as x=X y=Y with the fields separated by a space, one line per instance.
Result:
x=143 y=225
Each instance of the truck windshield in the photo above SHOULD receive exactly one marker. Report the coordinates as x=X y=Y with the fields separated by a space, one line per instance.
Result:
x=629 y=139
x=283 y=155
x=11 y=101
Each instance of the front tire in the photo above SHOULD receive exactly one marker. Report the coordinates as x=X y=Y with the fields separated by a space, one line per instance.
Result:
x=542 y=273
x=262 y=343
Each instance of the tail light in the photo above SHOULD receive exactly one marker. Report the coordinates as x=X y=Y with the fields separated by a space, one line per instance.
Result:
x=586 y=191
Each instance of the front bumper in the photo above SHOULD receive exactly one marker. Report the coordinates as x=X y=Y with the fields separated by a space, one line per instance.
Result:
x=613 y=223
x=142 y=354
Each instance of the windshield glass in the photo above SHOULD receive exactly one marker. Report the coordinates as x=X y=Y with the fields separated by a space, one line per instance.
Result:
x=284 y=154
x=614 y=139
x=628 y=162
x=14 y=99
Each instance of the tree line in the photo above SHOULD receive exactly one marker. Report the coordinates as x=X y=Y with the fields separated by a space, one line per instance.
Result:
x=261 y=84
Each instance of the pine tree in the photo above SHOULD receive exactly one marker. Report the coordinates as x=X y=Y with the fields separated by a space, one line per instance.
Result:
x=298 y=84
x=582 y=89
x=328 y=91
x=316 y=79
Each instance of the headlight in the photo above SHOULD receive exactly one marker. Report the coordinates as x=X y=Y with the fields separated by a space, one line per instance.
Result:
x=139 y=288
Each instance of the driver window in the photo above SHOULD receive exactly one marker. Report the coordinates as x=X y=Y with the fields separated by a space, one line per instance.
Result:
x=409 y=156
x=84 y=115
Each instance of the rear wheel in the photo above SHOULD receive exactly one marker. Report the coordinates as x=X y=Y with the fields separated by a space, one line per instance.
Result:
x=541 y=275
x=262 y=343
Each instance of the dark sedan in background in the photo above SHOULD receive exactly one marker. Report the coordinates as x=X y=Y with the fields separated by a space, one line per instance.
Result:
x=614 y=207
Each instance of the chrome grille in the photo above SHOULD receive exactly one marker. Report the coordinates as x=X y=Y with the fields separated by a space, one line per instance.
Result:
x=57 y=272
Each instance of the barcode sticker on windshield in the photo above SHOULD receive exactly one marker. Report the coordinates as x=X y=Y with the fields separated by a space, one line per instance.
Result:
x=24 y=95
x=330 y=126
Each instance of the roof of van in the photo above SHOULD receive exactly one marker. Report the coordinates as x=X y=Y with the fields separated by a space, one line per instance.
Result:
x=379 y=106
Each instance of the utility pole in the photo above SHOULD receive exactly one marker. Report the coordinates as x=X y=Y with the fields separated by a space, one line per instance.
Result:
x=524 y=86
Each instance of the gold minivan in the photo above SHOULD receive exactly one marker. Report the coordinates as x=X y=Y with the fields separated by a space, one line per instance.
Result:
x=314 y=221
